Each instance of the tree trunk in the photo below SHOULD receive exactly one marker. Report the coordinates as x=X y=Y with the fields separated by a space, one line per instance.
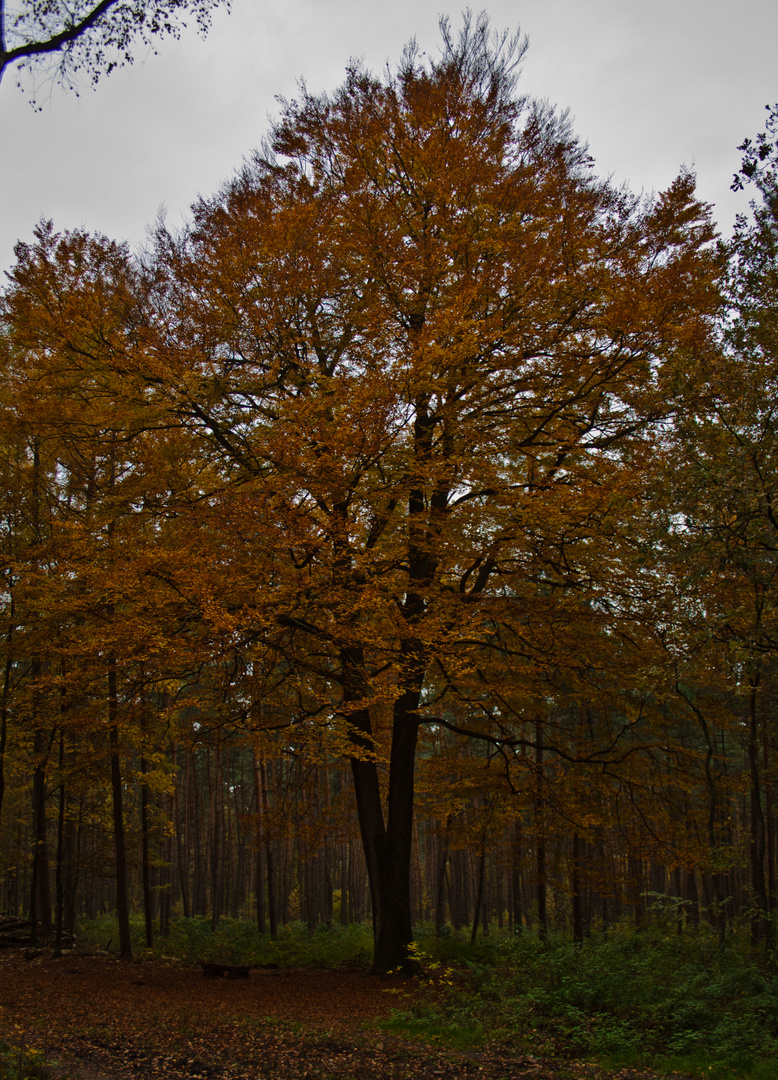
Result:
x=259 y=842
x=387 y=846
x=270 y=865
x=440 y=890
x=72 y=852
x=516 y=875
x=540 y=827
x=59 y=874
x=120 y=847
x=479 y=892
x=166 y=876
x=217 y=855
x=4 y=703
x=182 y=828
x=575 y=888
x=769 y=820
x=148 y=914
x=41 y=856
x=757 y=826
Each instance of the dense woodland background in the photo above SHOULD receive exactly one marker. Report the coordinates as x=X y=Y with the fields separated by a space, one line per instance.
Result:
x=231 y=546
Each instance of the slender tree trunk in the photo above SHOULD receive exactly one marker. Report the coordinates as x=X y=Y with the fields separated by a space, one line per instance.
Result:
x=516 y=866
x=540 y=827
x=166 y=877
x=120 y=846
x=217 y=855
x=259 y=865
x=59 y=876
x=343 y=885
x=41 y=856
x=148 y=914
x=769 y=824
x=440 y=890
x=718 y=914
x=71 y=863
x=182 y=828
x=7 y=670
x=479 y=892
x=757 y=825
x=272 y=916
x=692 y=898
x=575 y=889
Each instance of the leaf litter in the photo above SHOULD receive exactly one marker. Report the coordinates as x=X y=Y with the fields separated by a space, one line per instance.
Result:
x=97 y=1018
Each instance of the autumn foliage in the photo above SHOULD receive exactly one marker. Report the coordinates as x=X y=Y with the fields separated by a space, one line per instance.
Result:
x=376 y=542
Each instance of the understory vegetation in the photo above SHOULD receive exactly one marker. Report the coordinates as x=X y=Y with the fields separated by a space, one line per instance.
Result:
x=21 y=1062
x=653 y=998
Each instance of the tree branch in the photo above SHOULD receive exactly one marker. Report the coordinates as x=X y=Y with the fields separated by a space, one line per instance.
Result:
x=55 y=43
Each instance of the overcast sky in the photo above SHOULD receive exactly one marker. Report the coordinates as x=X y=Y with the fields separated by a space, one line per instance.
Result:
x=651 y=84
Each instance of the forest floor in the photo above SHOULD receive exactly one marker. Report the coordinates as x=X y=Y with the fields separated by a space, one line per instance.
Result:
x=101 y=1019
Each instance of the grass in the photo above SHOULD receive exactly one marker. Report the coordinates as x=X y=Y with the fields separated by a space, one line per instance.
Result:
x=675 y=1003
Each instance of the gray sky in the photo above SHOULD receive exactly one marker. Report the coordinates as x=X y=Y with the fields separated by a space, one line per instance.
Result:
x=651 y=84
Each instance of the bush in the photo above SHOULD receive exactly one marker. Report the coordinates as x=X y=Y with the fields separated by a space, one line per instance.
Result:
x=237 y=941
x=625 y=997
x=21 y=1062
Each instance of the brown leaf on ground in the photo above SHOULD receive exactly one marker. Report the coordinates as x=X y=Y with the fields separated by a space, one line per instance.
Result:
x=102 y=1019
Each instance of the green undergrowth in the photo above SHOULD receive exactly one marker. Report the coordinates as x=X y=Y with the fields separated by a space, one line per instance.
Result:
x=18 y=1061
x=237 y=941
x=643 y=999
x=650 y=999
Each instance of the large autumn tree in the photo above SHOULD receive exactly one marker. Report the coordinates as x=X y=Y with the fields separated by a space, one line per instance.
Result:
x=429 y=350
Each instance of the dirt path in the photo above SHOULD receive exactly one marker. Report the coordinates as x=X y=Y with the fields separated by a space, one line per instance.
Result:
x=106 y=1020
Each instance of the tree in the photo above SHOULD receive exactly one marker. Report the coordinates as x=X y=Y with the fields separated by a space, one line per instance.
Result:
x=759 y=159
x=73 y=400
x=429 y=351
x=85 y=38
x=726 y=487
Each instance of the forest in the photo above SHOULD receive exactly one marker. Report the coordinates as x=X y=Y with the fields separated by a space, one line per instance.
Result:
x=397 y=541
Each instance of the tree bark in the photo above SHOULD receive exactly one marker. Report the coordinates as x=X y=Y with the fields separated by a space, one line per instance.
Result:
x=479 y=892
x=41 y=856
x=120 y=846
x=516 y=865
x=757 y=825
x=59 y=873
x=182 y=828
x=575 y=888
x=440 y=890
x=148 y=915
x=8 y=668
x=217 y=855
x=387 y=845
x=540 y=843
x=272 y=916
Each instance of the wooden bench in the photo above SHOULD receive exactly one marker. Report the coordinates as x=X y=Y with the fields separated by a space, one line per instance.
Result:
x=224 y=971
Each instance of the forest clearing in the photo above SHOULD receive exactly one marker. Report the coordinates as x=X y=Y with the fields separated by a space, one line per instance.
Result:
x=305 y=1005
